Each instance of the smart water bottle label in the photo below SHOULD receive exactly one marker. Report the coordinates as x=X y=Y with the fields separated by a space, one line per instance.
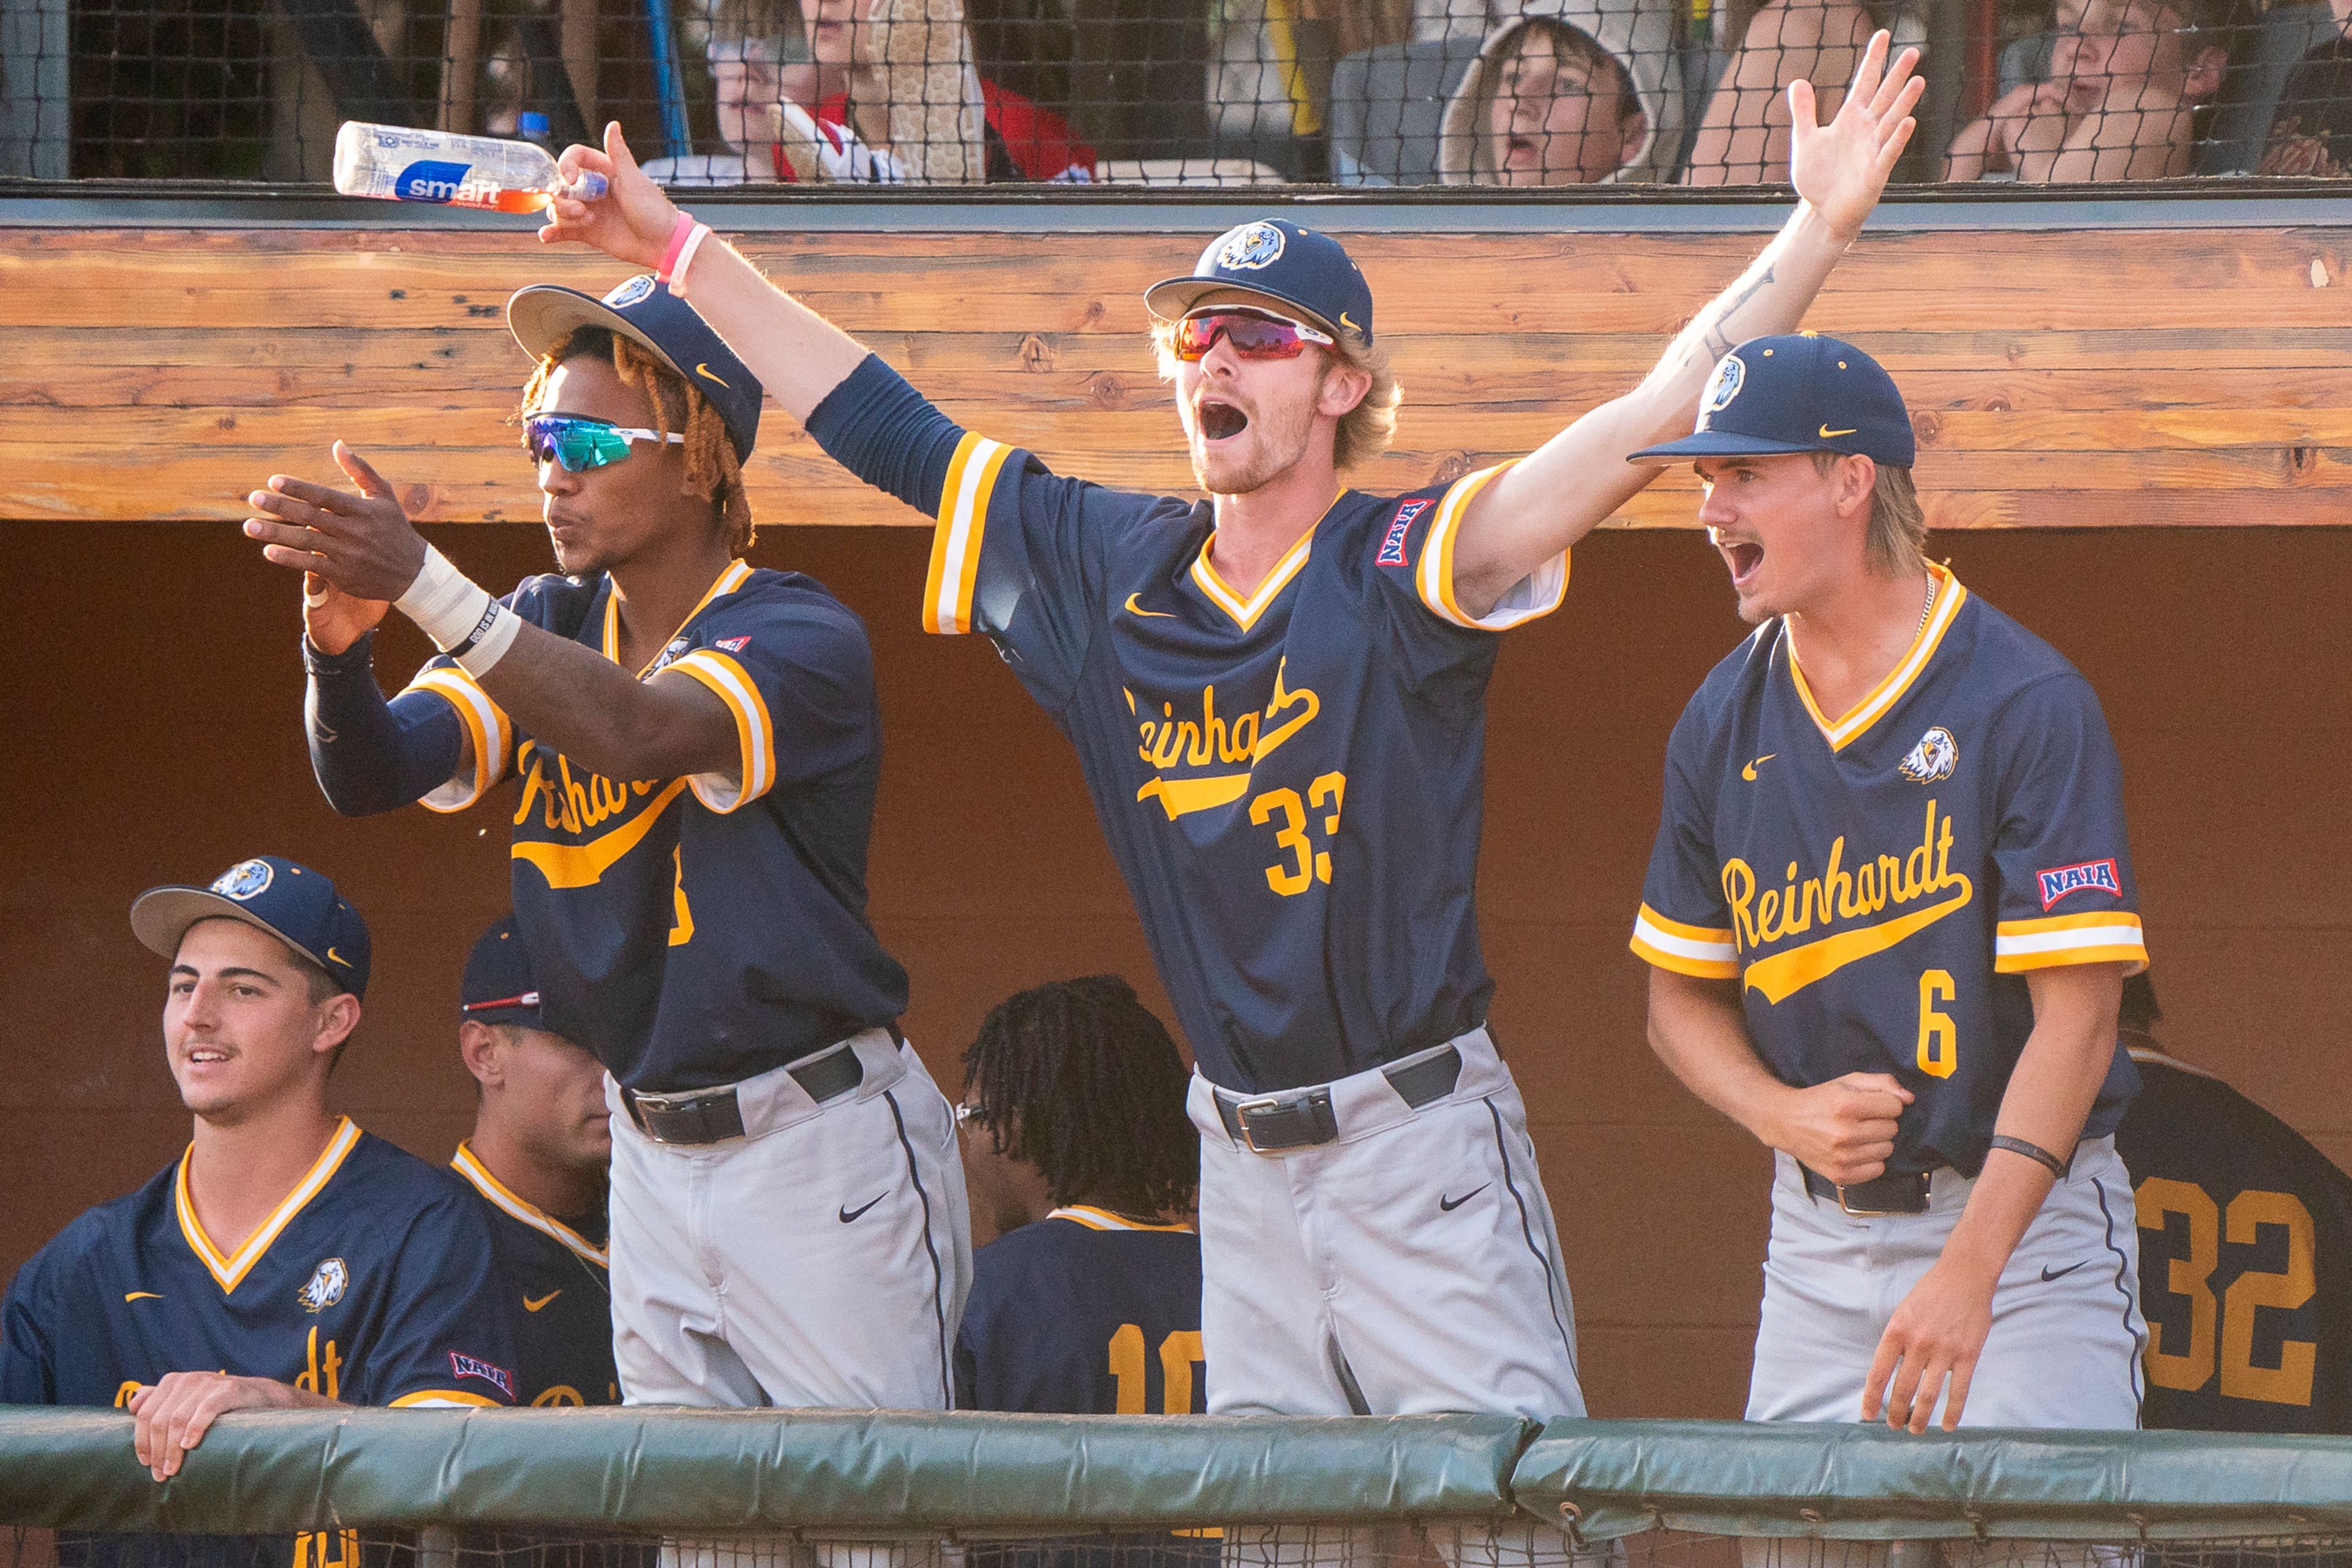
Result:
x=428 y=180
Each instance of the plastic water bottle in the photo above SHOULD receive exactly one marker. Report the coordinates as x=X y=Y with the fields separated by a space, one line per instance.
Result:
x=393 y=163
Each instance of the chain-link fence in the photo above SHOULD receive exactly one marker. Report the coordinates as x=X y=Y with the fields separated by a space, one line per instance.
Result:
x=1518 y=93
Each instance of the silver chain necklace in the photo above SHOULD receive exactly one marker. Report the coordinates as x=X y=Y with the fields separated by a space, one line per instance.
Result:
x=1928 y=608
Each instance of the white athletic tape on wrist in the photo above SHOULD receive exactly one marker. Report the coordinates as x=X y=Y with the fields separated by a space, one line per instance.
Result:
x=491 y=643
x=446 y=605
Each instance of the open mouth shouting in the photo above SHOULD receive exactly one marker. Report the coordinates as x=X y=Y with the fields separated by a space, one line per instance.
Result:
x=1218 y=420
x=1744 y=556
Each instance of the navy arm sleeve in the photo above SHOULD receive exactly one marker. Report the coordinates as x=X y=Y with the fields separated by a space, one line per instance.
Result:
x=888 y=434
x=371 y=755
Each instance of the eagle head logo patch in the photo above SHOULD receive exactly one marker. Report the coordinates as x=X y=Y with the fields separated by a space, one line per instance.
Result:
x=245 y=879
x=328 y=1283
x=1248 y=247
x=630 y=292
x=1730 y=375
x=1934 y=758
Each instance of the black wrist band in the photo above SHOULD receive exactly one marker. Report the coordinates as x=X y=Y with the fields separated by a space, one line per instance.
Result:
x=2033 y=1152
x=360 y=655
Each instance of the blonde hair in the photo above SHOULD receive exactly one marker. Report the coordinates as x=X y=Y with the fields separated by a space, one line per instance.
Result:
x=1365 y=430
x=713 y=472
x=1896 y=540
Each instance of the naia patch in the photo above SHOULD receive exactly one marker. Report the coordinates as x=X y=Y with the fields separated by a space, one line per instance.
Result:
x=733 y=645
x=498 y=1377
x=2090 y=875
x=1392 y=547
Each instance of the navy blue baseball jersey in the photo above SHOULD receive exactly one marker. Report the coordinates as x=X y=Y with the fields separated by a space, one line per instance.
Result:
x=1880 y=884
x=555 y=1283
x=372 y=1283
x=1290 y=784
x=699 y=931
x=2245 y=1260
x=1084 y=1313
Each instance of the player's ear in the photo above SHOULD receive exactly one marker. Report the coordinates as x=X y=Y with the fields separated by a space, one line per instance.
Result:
x=1344 y=386
x=478 y=1046
x=337 y=1017
x=1857 y=482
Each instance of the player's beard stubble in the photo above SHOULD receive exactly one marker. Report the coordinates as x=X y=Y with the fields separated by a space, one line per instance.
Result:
x=1270 y=446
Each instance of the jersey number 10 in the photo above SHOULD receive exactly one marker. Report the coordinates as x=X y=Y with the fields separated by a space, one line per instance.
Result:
x=1178 y=1351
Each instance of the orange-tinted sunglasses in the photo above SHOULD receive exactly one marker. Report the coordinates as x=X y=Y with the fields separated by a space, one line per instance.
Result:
x=1253 y=335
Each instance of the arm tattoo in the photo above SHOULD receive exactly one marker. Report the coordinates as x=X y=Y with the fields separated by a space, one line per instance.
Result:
x=1718 y=344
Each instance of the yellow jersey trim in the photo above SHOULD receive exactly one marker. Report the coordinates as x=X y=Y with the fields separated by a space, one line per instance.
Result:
x=956 y=539
x=1906 y=671
x=1245 y=613
x=1095 y=1218
x=227 y=1271
x=731 y=578
x=487 y=727
x=1537 y=594
x=756 y=732
x=1695 y=951
x=2113 y=937
x=427 y=1397
x=467 y=1163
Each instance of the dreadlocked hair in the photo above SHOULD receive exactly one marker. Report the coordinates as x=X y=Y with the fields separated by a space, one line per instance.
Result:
x=713 y=472
x=1080 y=1080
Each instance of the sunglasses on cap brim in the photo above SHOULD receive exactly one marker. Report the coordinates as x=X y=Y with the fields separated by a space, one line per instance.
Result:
x=576 y=445
x=1253 y=334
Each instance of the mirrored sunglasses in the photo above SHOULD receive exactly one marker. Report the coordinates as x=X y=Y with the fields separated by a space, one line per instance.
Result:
x=1253 y=335
x=577 y=444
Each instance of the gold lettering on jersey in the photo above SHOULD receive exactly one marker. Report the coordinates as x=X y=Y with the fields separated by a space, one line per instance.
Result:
x=1761 y=917
x=580 y=804
x=326 y=1548
x=324 y=1376
x=1171 y=742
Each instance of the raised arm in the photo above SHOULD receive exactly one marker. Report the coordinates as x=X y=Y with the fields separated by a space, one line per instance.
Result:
x=798 y=355
x=1544 y=504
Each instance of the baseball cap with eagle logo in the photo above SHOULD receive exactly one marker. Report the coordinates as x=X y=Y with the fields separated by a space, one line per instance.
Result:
x=297 y=906
x=1796 y=393
x=1273 y=262
x=645 y=312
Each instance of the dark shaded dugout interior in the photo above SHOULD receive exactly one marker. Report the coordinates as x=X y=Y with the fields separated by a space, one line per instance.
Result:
x=153 y=694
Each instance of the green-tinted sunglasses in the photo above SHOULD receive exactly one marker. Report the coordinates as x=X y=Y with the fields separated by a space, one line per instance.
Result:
x=577 y=444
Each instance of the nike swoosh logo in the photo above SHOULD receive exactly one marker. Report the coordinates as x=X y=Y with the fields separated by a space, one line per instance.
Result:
x=1784 y=974
x=1135 y=609
x=1827 y=432
x=848 y=1214
x=334 y=957
x=1748 y=772
x=2050 y=1274
x=530 y=1306
x=1348 y=324
x=704 y=371
x=142 y=1296
x=1450 y=1205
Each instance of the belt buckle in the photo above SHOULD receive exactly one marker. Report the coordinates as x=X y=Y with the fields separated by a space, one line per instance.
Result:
x=1870 y=1214
x=1242 y=1109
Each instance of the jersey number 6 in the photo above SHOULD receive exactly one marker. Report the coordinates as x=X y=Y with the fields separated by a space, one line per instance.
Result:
x=1940 y=1037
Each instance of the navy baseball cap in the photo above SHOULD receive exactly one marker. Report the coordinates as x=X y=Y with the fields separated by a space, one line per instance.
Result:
x=293 y=904
x=1799 y=392
x=499 y=987
x=647 y=313
x=1273 y=260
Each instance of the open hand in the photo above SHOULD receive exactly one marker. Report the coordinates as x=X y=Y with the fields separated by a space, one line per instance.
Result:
x=631 y=222
x=362 y=544
x=1937 y=1330
x=1844 y=1128
x=1841 y=168
x=174 y=1413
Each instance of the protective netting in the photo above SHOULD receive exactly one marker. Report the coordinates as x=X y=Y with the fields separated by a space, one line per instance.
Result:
x=1482 y=93
x=1442 y=1545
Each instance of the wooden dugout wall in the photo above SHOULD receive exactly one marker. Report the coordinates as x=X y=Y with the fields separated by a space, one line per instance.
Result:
x=2091 y=386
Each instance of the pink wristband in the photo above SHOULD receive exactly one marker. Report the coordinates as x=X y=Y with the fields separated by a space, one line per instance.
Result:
x=678 y=239
x=685 y=255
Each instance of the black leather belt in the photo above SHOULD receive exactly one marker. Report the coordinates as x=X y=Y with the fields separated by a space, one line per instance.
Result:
x=1895 y=1192
x=1302 y=1119
x=713 y=1115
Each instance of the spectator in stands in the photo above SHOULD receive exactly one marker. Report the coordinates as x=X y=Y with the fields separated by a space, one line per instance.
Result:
x=2228 y=1193
x=539 y=1157
x=1569 y=93
x=287 y=1258
x=1743 y=136
x=1078 y=1154
x=2125 y=82
x=2311 y=132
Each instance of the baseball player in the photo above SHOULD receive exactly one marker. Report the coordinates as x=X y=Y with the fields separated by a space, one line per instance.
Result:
x=287 y=1258
x=1076 y=1146
x=541 y=1145
x=1276 y=699
x=697 y=747
x=2245 y=1258
x=1889 y=914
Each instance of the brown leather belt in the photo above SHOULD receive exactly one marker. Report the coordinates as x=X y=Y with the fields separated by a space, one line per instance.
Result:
x=714 y=1115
